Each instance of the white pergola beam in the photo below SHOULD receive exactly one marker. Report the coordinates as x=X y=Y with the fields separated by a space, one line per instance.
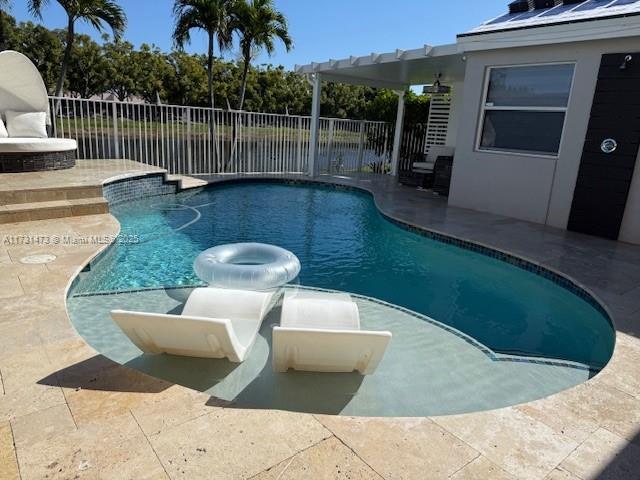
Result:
x=315 y=124
x=397 y=139
x=339 y=78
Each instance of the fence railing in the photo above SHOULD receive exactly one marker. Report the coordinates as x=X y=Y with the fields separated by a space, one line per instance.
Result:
x=198 y=141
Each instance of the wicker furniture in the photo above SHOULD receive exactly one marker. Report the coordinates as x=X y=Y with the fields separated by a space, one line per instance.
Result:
x=24 y=103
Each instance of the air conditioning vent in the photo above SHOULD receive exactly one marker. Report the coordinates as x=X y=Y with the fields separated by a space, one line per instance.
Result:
x=519 y=6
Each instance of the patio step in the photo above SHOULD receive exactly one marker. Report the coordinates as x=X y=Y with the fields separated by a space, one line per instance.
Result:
x=46 y=210
x=44 y=194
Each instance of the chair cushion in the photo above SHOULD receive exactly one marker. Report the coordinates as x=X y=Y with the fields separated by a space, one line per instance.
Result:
x=436 y=151
x=36 y=145
x=26 y=124
x=423 y=166
x=3 y=130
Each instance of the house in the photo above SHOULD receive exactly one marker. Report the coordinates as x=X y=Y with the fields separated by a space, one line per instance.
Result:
x=544 y=112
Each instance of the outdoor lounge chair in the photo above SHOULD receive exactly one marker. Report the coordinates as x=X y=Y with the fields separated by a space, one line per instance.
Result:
x=423 y=172
x=25 y=145
x=429 y=164
x=215 y=323
x=320 y=332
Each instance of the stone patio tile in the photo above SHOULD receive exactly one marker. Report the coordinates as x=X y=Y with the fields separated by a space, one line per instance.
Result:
x=328 y=460
x=610 y=408
x=572 y=412
x=25 y=392
x=29 y=399
x=31 y=307
x=69 y=263
x=67 y=352
x=605 y=456
x=174 y=406
x=481 y=469
x=10 y=286
x=620 y=304
x=18 y=252
x=617 y=277
x=8 y=462
x=56 y=327
x=623 y=371
x=45 y=282
x=23 y=269
x=19 y=336
x=521 y=445
x=402 y=448
x=95 y=393
x=5 y=259
x=561 y=474
x=116 y=450
x=24 y=368
x=232 y=443
x=43 y=425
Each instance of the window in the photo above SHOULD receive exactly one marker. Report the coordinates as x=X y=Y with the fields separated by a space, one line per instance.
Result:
x=525 y=108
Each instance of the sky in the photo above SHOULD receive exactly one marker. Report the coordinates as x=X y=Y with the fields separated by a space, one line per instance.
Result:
x=321 y=29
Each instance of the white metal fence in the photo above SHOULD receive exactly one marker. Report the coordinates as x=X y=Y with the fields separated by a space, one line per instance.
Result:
x=194 y=140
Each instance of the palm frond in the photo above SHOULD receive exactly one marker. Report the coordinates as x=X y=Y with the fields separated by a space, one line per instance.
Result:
x=212 y=16
x=35 y=7
x=100 y=12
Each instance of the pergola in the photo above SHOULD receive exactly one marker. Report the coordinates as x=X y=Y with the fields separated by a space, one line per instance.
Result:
x=397 y=71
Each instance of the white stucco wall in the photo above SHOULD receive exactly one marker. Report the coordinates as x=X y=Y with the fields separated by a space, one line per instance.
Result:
x=630 y=231
x=457 y=104
x=535 y=188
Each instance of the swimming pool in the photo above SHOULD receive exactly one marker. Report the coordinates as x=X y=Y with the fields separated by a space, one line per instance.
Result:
x=344 y=243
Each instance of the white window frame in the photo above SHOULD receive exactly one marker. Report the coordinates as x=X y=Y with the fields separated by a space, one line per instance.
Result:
x=484 y=108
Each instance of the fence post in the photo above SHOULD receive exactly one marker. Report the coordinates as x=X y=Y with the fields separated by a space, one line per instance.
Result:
x=361 y=145
x=187 y=113
x=116 y=135
x=299 y=163
x=330 y=145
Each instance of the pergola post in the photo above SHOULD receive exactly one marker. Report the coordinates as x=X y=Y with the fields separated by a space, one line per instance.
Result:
x=397 y=139
x=315 y=124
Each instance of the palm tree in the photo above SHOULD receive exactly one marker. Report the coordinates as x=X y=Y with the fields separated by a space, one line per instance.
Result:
x=259 y=25
x=4 y=5
x=211 y=16
x=94 y=12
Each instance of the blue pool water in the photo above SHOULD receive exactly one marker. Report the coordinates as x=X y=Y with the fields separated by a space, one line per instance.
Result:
x=344 y=243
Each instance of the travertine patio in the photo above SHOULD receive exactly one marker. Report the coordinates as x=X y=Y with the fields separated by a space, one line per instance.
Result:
x=67 y=412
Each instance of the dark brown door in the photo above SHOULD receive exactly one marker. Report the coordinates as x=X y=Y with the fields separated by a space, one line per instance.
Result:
x=610 y=148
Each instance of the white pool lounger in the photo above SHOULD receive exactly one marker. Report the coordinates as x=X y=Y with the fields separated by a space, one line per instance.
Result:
x=320 y=332
x=215 y=323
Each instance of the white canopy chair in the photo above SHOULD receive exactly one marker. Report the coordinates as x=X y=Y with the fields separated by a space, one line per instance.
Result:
x=22 y=91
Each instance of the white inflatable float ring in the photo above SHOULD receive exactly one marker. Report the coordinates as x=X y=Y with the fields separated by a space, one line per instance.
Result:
x=247 y=266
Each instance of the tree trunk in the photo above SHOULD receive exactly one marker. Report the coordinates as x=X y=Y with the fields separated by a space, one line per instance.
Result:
x=210 y=70
x=245 y=73
x=67 y=57
x=3 y=40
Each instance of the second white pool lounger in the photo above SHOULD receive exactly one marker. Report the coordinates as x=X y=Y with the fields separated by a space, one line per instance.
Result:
x=320 y=332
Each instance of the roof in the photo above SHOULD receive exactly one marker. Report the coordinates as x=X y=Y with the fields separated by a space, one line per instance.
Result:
x=562 y=13
x=395 y=70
